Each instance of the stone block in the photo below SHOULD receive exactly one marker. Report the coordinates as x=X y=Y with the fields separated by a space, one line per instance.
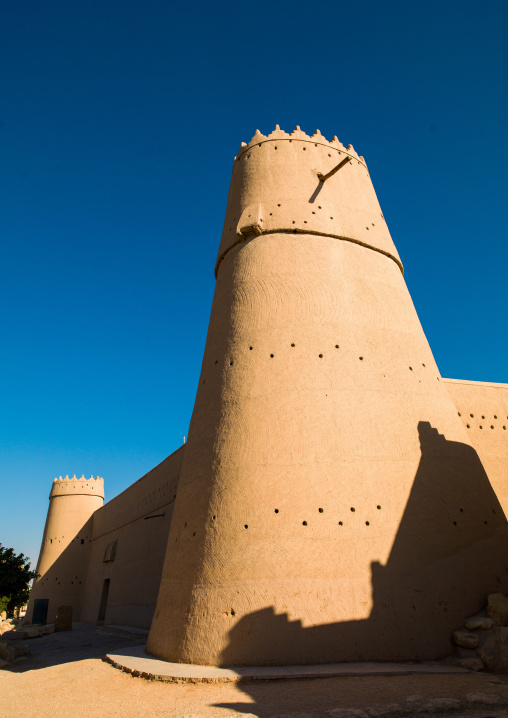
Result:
x=32 y=632
x=494 y=651
x=465 y=639
x=479 y=623
x=497 y=608
x=47 y=629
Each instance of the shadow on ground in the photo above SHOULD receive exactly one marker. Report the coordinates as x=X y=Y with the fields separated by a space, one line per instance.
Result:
x=453 y=528
x=473 y=695
x=451 y=519
x=80 y=644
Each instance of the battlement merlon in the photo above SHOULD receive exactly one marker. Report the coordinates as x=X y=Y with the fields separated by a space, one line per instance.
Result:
x=298 y=135
x=291 y=183
x=78 y=487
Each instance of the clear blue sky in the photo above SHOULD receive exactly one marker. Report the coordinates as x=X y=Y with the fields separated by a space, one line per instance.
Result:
x=119 y=121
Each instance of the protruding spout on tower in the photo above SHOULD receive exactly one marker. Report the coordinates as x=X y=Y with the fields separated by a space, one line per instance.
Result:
x=323 y=178
x=290 y=183
x=305 y=491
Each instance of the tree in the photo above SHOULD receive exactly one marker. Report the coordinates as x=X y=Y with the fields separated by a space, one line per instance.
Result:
x=15 y=575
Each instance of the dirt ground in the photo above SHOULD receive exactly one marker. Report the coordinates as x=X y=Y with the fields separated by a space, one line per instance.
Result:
x=65 y=677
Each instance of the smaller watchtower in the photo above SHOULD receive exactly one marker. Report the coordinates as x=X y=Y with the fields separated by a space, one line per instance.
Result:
x=65 y=548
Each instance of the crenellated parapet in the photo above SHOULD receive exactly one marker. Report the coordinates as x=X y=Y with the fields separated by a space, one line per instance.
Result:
x=327 y=476
x=299 y=136
x=65 y=547
x=300 y=184
x=77 y=487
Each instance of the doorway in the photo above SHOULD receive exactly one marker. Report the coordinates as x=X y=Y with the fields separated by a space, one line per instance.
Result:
x=40 y=614
x=104 y=601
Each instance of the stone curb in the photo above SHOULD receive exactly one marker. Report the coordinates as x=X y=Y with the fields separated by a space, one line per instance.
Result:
x=135 y=661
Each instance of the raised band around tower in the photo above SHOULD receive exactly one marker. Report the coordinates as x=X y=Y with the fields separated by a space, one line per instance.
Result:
x=330 y=505
x=276 y=188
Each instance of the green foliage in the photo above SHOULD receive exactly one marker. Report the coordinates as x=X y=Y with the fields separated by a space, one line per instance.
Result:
x=15 y=576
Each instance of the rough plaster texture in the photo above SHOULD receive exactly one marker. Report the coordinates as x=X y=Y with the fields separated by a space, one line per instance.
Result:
x=275 y=187
x=138 y=520
x=320 y=498
x=333 y=503
x=65 y=549
x=483 y=409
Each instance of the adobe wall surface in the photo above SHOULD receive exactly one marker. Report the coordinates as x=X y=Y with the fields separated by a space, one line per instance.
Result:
x=333 y=502
x=267 y=193
x=66 y=543
x=483 y=408
x=320 y=511
x=138 y=521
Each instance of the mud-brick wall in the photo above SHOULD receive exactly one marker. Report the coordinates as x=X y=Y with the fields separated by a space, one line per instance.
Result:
x=483 y=409
x=129 y=543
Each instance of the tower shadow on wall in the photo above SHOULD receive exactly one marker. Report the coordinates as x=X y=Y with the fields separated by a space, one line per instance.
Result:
x=443 y=547
x=63 y=582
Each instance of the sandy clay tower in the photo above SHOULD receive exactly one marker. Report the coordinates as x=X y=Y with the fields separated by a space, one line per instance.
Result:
x=330 y=505
x=65 y=549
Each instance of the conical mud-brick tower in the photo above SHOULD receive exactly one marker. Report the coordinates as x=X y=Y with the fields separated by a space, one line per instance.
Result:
x=65 y=548
x=330 y=506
